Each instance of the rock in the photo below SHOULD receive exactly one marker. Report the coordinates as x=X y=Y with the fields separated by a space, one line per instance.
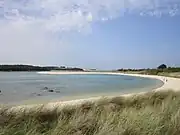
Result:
x=50 y=90
x=45 y=88
x=0 y=91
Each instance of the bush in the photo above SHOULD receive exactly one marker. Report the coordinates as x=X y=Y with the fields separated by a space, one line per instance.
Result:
x=163 y=66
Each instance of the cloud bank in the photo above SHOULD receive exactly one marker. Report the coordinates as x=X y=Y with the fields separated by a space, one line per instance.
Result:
x=67 y=15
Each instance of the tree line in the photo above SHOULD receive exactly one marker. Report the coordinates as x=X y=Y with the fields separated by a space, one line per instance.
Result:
x=154 y=71
x=35 y=68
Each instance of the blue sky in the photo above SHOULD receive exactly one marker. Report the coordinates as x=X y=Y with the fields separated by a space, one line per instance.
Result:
x=132 y=41
x=100 y=34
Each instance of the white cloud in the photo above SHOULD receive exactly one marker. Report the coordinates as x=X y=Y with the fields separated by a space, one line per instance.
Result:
x=66 y=15
x=26 y=25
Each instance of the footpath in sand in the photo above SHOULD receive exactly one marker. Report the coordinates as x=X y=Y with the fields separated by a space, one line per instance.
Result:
x=169 y=84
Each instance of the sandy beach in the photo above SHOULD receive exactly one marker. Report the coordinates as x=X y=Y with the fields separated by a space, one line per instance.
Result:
x=169 y=84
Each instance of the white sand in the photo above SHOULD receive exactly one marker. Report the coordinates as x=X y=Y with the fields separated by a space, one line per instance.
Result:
x=170 y=84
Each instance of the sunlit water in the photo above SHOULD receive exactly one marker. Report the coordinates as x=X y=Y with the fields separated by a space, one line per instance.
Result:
x=24 y=87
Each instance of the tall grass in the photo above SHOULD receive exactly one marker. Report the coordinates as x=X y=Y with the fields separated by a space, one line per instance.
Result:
x=155 y=113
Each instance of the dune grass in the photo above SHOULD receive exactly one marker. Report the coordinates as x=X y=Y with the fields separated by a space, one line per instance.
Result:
x=155 y=113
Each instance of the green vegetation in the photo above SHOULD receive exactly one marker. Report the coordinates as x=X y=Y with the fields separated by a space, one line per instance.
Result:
x=155 y=113
x=162 y=66
x=35 y=68
x=165 y=71
x=160 y=70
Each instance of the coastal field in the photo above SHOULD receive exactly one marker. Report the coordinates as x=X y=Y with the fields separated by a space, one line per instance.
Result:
x=153 y=113
x=168 y=72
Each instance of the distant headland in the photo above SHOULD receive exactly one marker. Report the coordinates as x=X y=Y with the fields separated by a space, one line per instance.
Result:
x=9 y=68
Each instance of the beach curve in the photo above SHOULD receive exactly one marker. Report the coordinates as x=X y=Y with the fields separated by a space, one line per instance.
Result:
x=169 y=83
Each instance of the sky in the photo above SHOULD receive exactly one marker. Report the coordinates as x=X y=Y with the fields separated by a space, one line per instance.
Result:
x=102 y=34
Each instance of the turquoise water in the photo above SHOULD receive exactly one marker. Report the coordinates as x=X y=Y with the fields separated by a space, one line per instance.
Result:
x=28 y=86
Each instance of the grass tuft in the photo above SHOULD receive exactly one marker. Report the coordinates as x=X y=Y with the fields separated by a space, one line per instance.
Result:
x=154 y=113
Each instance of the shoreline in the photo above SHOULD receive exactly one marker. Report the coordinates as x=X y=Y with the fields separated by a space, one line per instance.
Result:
x=171 y=84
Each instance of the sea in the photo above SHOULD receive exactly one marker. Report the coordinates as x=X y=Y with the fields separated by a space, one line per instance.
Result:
x=32 y=87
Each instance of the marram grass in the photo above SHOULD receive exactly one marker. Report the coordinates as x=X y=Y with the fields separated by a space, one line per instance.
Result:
x=155 y=113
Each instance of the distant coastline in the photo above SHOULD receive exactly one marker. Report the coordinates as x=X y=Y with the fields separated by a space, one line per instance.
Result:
x=32 y=68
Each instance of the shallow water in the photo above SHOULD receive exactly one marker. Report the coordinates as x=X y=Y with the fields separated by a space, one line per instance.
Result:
x=20 y=87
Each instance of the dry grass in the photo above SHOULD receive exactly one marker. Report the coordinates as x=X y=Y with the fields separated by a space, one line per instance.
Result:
x=175 y=74
x=155 y=72
x=152 y=114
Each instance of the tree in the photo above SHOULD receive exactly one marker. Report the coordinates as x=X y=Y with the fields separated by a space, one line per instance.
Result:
x=162 y=66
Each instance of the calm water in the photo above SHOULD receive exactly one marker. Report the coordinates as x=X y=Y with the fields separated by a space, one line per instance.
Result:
x=19 y=87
